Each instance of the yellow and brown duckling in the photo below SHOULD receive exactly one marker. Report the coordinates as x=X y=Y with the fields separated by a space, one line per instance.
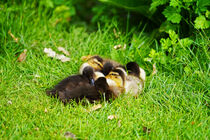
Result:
x=98 y=64
x=116 y=82
x=95 y=62
x=120 y=81
x=77 y=87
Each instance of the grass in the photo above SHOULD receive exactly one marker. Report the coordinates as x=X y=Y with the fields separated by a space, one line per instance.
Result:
x=172 y=107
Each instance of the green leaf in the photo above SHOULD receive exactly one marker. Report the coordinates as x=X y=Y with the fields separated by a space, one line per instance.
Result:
x=165 y=43
x=166 y=26
x=201 y=22
x=175 y=3
x=141 y=6
x=186 y=42
x=207 y=14
x=173 y=35
x=152 y=53
x=203 y=4
x=189 y=0
x=47 y=3
x=62 y=8
x=156 y=3
x=172 y=14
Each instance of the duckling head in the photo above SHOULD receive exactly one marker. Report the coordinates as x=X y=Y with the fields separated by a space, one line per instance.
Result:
x=101 y=84
x=89 y=73
x=116 y=78
x=95 y=62
x=108 y=66
x=134 y=69
x=92 y=75
x=122 y=69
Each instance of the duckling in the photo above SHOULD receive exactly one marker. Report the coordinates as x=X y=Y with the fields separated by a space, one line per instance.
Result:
x=135 y=79
x=79 y=86
x=87 y=77
x=98 y=64
x=91 y=93
x=116 y=82
x=121 y=82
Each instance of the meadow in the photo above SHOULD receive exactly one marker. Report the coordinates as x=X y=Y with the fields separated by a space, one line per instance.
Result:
x=172 y=105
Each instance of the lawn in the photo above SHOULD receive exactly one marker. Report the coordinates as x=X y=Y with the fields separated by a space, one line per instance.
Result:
x=171 y=106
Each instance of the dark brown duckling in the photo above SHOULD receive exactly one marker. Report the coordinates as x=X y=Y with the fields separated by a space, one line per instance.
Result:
x=79 y=86
x=73 y=81
x=99 y=91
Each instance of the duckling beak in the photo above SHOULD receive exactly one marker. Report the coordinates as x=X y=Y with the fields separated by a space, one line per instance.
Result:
x=108 y=77
x=92 y=81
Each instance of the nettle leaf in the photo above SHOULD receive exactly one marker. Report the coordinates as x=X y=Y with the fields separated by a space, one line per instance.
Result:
x=173 y=35
x=156 y=3
x=185 y=42
x=201 y=22
x=172 y=14
x=175 y=3
x=152 y=53
x=165 y=43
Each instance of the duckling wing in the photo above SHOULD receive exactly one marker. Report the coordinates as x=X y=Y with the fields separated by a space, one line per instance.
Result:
x=79 y=93
x=68 y=84
x=72 y=82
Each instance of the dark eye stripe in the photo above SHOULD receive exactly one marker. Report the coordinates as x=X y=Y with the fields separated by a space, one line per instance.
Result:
x=99 y=65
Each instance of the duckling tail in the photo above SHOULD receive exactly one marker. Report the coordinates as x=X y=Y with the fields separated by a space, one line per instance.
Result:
x=52 y=92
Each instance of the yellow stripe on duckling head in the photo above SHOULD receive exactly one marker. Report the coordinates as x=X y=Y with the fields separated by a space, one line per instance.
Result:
x=114 y=76
x=94 y=63
x=86 y=58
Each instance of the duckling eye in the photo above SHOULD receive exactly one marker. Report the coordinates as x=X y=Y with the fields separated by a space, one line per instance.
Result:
x=113 y=74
